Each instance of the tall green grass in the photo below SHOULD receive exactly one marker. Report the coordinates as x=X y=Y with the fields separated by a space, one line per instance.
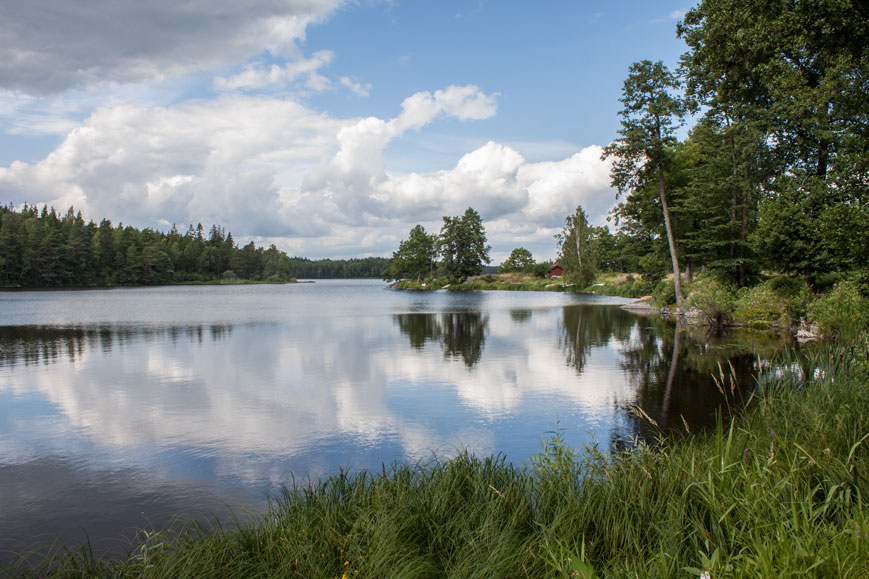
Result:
x=778 y=491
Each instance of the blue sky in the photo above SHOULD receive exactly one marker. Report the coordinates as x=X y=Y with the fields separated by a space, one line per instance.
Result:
x=329 y=128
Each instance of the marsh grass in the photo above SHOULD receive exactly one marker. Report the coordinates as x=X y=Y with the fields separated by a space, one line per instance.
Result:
x=778 y=491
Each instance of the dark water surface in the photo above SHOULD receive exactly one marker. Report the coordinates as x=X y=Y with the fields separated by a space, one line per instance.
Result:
x=123 y=408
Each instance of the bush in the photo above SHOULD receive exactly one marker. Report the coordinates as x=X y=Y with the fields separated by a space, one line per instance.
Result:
x=664 y=293
x=785 y=285
x=842 y=312
x=827 y=281
x=762 y=306
x=228 y=277
x=640 y=288
x=715 y=300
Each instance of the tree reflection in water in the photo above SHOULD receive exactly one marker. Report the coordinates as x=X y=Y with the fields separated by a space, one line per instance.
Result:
x=520 y=316
x=48 y=344
x=671 y=367
x=461 y=334
x=674 y=370
x=587 y=326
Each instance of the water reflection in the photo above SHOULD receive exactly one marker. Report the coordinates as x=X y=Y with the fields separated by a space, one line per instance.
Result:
x=33 y=493
x=584 y=327
x=461 y=334
x=521 y=316
x=241 y=407
x=48 y=344
x=679 y=372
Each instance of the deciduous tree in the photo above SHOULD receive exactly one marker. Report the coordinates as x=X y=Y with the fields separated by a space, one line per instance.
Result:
x=575 y=249
x=520 y=260
x=462 y=246
x=415 y=256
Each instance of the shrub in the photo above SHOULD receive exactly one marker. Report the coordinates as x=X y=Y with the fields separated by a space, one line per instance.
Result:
x=664 y=293
x=842 y=312
x=761 y=306
x=715 y=300
x=228 y=277
x=827 y=281
x=785 y=285
x=640 y=288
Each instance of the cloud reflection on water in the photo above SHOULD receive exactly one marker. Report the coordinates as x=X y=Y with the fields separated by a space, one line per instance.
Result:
x=259 y=390
x=245 y=406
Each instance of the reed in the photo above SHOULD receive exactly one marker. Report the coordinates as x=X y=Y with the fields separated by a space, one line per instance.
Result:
x=778 y=491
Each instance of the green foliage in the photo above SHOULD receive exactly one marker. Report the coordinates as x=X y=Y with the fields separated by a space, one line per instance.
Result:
x=43 y=249
x=627 y=286
x=843 y=312
x=786 y=285
x=664 y=293
x=576 y=250
x=779 y=302
x=804 y=229
x=520 y=260
x=714 y=299
x=717 y=205
x=790 y=79
x=651 y=114
x=759 y=306
x=462 y=246
x=655 y=264
x=541 y=269
x=415 y=257
x=354 y=268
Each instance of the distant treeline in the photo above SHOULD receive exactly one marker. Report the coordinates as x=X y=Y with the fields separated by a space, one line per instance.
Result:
x=39 y=248
x=366 y=267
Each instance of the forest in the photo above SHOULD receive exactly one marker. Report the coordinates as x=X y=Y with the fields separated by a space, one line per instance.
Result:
x=39 y=248
x=773 y=175
x=359 y=267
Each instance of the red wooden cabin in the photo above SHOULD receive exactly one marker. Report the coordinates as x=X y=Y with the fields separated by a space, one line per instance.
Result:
x=555 y=271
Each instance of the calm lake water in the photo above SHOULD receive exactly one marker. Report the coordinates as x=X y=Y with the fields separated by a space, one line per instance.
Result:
x=122 y=408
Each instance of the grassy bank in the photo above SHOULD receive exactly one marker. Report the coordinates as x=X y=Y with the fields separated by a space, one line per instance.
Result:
x=609 y=284
x=501 y=281
x=779 y=492
x=625 y=285
x=779 y=303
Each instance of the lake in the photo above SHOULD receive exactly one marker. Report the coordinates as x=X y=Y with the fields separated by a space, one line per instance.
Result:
x=122 y=408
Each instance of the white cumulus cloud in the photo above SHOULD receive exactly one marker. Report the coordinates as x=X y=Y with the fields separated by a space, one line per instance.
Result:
x=274 y=170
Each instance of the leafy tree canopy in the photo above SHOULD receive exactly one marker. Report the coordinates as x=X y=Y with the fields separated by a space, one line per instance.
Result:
x=462 y=246
x=520 y=260
x=415 y=257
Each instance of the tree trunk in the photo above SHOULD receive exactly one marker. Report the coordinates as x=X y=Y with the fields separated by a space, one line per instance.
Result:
x=578 y=252
x=734 y=268
x=677 y=273
x=744 y=235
